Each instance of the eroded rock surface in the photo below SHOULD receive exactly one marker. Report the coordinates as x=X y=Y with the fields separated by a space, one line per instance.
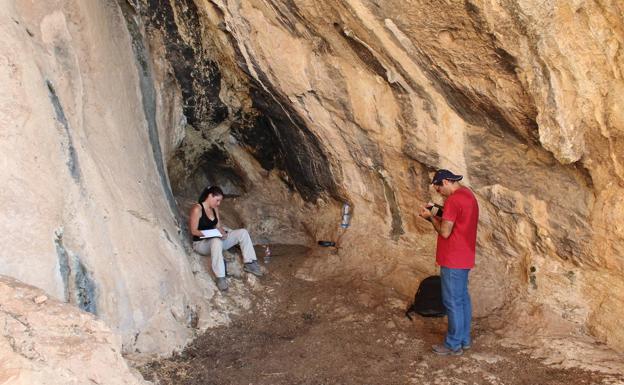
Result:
x=116 y=114
x=88 y=214
x=45 y=341
x=359 y=101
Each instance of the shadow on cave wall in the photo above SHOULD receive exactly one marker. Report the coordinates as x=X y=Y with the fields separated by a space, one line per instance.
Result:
x=271 y=131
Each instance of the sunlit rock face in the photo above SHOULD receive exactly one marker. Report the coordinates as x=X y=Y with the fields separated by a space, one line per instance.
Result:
x=45 y=341
x=359 y=101
x=88 y=213
x=115 y=115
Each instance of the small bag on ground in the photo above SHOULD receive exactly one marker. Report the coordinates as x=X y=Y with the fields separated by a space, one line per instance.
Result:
x=428 y=299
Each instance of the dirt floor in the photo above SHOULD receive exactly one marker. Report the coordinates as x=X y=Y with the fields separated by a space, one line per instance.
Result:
x=328 y=332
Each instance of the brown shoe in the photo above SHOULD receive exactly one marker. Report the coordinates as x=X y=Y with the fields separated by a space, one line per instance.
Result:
x=442 y=350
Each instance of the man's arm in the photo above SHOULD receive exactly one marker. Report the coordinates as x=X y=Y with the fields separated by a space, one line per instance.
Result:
x=442 y=227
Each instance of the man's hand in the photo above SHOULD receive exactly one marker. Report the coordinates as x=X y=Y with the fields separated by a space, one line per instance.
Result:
x=442 y=227
x=425 y=213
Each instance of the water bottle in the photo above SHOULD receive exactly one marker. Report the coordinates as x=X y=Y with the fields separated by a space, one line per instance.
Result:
x=267 y=254
x=346 y=216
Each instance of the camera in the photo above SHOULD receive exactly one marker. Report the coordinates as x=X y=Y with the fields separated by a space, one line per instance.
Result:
x=436 y=210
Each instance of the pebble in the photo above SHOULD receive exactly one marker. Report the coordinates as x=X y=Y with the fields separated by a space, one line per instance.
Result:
x=40 y=299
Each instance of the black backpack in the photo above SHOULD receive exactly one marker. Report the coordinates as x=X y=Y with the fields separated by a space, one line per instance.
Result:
x=428 y=299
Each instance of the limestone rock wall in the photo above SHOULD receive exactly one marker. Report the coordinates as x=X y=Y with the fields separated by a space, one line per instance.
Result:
x=360 y=101
x=88 y=214
x=116 y=114
x=45 y=341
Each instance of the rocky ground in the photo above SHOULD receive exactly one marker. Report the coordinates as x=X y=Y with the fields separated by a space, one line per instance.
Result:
x=351 y=332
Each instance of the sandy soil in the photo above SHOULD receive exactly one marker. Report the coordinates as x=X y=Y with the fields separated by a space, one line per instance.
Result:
x=329 y=332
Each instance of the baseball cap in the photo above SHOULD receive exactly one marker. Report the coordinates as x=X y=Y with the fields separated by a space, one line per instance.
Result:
x=442 y=174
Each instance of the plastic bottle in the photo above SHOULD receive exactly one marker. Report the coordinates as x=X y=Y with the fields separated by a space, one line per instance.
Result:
x=267 y=253
x=346 y=216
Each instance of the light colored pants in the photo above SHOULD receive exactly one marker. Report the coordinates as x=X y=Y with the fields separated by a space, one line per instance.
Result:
x=215 y=247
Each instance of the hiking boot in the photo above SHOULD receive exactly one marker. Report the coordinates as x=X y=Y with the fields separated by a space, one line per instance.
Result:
x=222 y=283
x=442 y=350
x=467 y=347
x=253 y=268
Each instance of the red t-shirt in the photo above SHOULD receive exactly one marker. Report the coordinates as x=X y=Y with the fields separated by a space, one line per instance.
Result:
x=458 y=250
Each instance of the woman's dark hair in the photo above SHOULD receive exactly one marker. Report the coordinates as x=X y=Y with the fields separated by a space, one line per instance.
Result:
x=214 y=190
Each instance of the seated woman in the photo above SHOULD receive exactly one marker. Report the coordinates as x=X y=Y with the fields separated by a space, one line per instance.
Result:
x=205 y=216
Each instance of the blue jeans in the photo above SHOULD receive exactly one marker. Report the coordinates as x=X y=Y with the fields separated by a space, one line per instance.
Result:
x=456 y=300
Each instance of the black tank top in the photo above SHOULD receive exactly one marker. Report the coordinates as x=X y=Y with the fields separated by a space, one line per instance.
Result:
x=206 y=223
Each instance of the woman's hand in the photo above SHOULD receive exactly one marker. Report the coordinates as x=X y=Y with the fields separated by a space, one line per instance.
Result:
x=224 y=233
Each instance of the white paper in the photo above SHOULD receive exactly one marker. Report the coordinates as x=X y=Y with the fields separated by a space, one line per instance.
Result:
x=210 y=233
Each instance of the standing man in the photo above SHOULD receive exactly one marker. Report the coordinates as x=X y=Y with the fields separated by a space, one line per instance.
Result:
x=455 y=253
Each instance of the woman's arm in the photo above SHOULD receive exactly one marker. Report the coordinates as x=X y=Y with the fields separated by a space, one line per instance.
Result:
x=220 y=226
x=194 y=220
